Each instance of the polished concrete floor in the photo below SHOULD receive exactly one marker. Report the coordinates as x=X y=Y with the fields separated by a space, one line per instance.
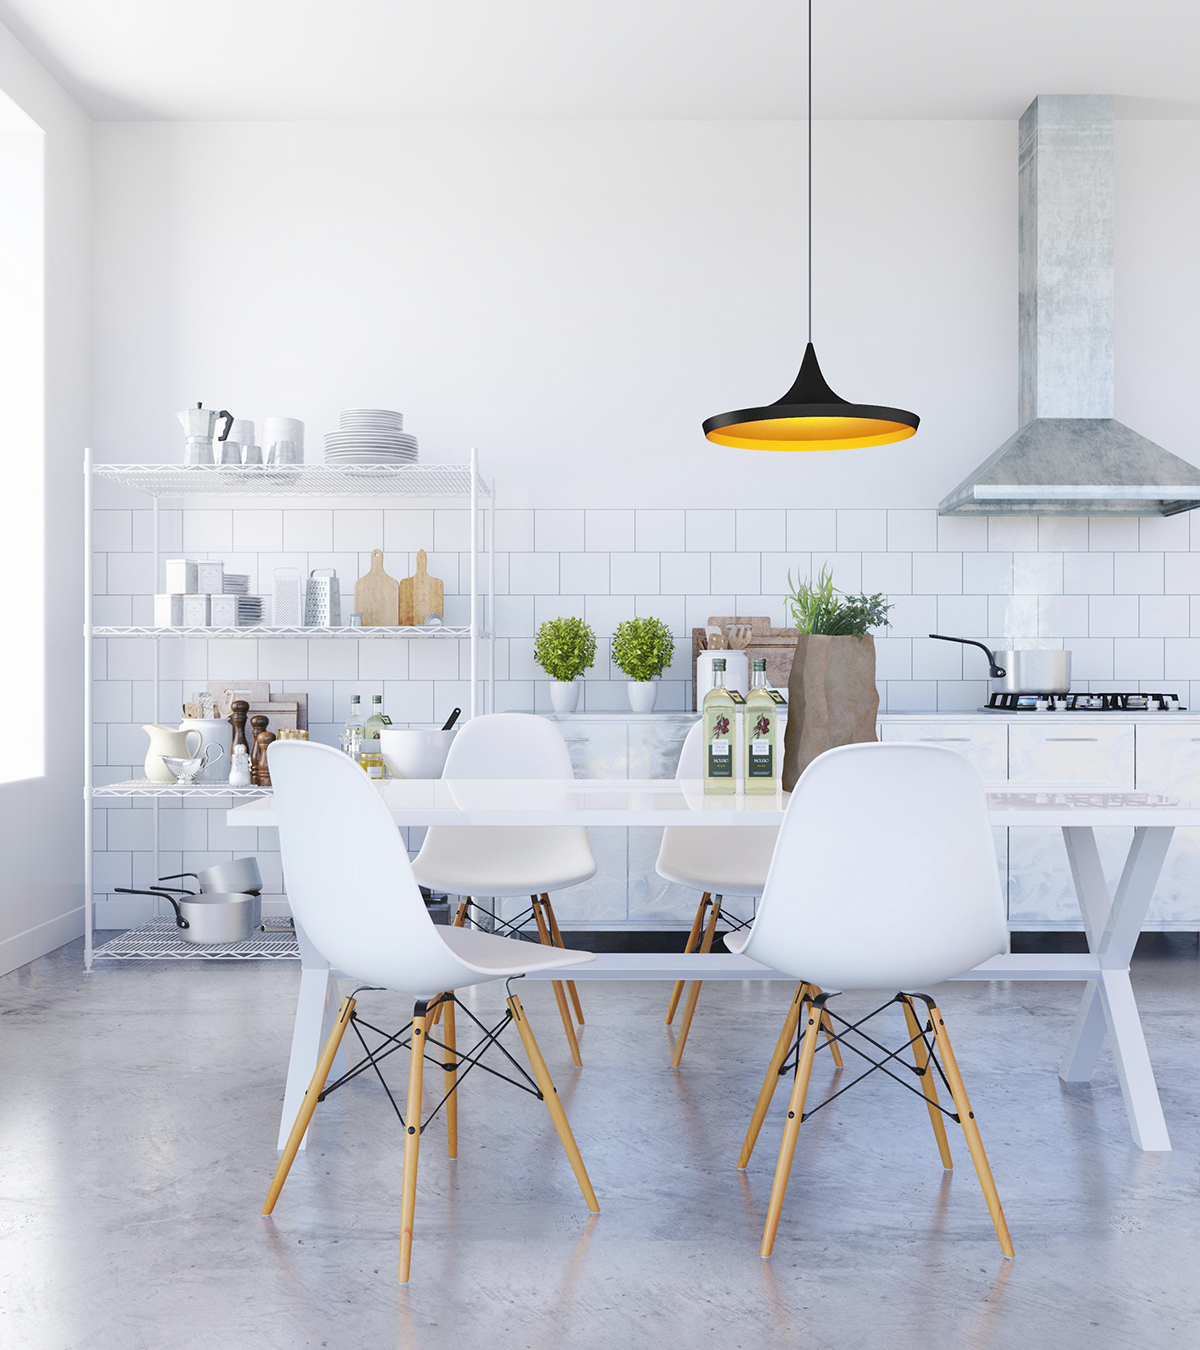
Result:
x=138 y=1111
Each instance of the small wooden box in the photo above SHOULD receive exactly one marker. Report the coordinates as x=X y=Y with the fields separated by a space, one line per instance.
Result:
x=776 y=645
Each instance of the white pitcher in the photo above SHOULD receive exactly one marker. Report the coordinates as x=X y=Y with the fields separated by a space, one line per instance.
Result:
x=177 y=742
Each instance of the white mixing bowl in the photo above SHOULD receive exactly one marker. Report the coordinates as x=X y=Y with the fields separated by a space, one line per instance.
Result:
x=415 y=752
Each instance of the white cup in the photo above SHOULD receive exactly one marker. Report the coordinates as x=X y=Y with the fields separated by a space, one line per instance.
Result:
x=284 y=429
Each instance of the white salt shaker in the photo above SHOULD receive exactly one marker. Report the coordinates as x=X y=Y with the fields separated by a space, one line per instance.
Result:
x=239 y=771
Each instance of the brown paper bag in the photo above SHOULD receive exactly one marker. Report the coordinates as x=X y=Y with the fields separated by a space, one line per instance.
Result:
x=832 y=699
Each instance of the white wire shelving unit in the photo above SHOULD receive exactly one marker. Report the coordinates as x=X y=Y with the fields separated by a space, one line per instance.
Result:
x=430 y=482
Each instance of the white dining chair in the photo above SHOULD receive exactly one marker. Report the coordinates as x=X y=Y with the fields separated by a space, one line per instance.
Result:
x=531 y=861
x=351 y=888
x=884 y=877
x=716 y=863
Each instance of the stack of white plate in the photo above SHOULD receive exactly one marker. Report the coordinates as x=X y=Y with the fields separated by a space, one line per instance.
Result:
x=249 y=610
x=237 y=583
x=370 y=436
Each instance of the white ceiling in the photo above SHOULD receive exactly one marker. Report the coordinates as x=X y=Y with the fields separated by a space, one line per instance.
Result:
x=288 y=60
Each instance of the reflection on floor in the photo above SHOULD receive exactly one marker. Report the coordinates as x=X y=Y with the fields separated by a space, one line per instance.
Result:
x=137 y=1126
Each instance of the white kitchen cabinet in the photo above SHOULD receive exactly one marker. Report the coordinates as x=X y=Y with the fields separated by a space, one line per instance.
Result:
x=1168 y=760
x=1041 y=891
x=985 y=745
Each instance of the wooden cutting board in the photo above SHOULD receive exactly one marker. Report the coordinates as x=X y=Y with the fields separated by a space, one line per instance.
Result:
x=421 y=595
x=377 y=596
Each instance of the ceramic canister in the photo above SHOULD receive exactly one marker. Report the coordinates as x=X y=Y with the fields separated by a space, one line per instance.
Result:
x=214 y=731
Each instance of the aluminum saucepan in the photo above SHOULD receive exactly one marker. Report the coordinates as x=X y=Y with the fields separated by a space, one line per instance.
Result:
x=1033 y=671
x=241 y=874
x=215 y=917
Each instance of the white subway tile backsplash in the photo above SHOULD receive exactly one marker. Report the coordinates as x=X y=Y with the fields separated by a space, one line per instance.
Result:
x=1116 y=534
x=912 y=531
x=1138 y=573
x=1163 y=616
x=1129 y=620
x=1181 y=573
x=936 y=573
x=987 y=573
x=887 y=573
x=808 y=530
x=861 y=531
x=684 y=573
x=711 y=529
x=659 y=531
x=962 y=534
x=610 y=531
x=1037 y=573
x=1113 y=616
x=1087 y=573
x=739 y=572
x=764 y=530
x=1012 y=534
x=1165 y=532
x=558 y=531
x=1061 y=534
x=533 y=573
x=1138 y=658
x=633 y=573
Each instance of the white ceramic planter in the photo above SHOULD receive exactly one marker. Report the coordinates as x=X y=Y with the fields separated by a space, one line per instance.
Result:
x=642 y=694
x=564 y=695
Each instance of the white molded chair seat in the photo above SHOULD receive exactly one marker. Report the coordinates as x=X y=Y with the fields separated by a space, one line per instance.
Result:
x=503 y=862
x=351 y=887
x=884 y=877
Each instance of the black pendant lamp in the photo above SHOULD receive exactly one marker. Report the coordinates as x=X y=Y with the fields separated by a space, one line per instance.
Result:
x=810 y=416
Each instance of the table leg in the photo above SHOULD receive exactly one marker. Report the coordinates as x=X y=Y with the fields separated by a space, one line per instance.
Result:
x=1108 y=1005
x=312 y=1009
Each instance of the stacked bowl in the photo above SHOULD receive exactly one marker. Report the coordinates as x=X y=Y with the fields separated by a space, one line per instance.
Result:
x=370 y=436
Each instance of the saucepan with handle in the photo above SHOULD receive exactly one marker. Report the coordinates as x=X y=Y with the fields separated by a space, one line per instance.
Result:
x=209 y=918
x=1033 y=671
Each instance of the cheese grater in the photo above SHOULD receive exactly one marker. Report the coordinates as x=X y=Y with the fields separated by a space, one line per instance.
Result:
x=322 y=599
x=287 y=610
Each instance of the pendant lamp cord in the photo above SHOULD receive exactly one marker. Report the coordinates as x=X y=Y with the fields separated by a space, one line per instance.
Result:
x=810 y=106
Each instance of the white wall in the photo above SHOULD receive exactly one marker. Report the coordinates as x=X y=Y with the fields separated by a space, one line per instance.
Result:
x=573 y=298
x=40 y=819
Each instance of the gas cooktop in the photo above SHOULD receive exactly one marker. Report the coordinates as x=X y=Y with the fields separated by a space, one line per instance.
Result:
x=1098 y=702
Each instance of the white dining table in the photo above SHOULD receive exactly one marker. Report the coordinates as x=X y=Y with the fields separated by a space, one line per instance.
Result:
x=1112 y=921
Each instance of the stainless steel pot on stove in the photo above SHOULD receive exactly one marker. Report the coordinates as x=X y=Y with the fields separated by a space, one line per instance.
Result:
x=1034 y=671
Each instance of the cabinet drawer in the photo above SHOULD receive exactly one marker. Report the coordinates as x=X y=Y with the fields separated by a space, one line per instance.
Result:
x=1067 y=750
x=985 y=746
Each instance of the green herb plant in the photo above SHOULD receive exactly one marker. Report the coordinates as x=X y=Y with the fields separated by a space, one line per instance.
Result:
x=643 y=648
x=817 y=607
x=565 y=648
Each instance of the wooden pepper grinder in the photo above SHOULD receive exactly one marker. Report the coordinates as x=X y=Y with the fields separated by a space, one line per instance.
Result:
x=260 y=775
x=238 y=712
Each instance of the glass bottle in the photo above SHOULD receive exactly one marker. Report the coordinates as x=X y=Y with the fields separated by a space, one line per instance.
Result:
x=376 y=722
x=719 y=735
x=352 y=732
x=762 y=758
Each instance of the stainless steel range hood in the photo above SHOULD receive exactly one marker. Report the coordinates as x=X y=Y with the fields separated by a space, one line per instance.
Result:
x=1071 y=456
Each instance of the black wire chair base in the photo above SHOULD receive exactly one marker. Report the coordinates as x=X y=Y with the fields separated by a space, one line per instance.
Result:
x=791 y=1063
x=402 y=1040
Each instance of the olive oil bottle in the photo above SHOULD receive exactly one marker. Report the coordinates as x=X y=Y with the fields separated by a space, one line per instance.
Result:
x=762 y=757
x=719 y=735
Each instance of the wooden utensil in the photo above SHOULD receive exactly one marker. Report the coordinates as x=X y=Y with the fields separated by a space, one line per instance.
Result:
x=421 y=595
x=377 y=596
x=739 y=635
x=715 y=638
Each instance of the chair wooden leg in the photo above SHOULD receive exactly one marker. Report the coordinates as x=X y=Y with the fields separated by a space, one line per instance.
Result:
x=767 y=1091
x=692 y=939
x=928 y=1083
x=460 y=918
x=689 y=1008
x=309 y=1103
x=830 y=1035
x=560 y=996
x=450 y=1076
x=557 y=1114
x=412 y=1139
x=787 y=1150
x=962 y=1104
x=556 y=937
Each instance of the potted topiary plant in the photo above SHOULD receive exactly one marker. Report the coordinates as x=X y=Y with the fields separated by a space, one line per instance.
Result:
x=642 y=648
x=565 y=648
x=832 y=695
